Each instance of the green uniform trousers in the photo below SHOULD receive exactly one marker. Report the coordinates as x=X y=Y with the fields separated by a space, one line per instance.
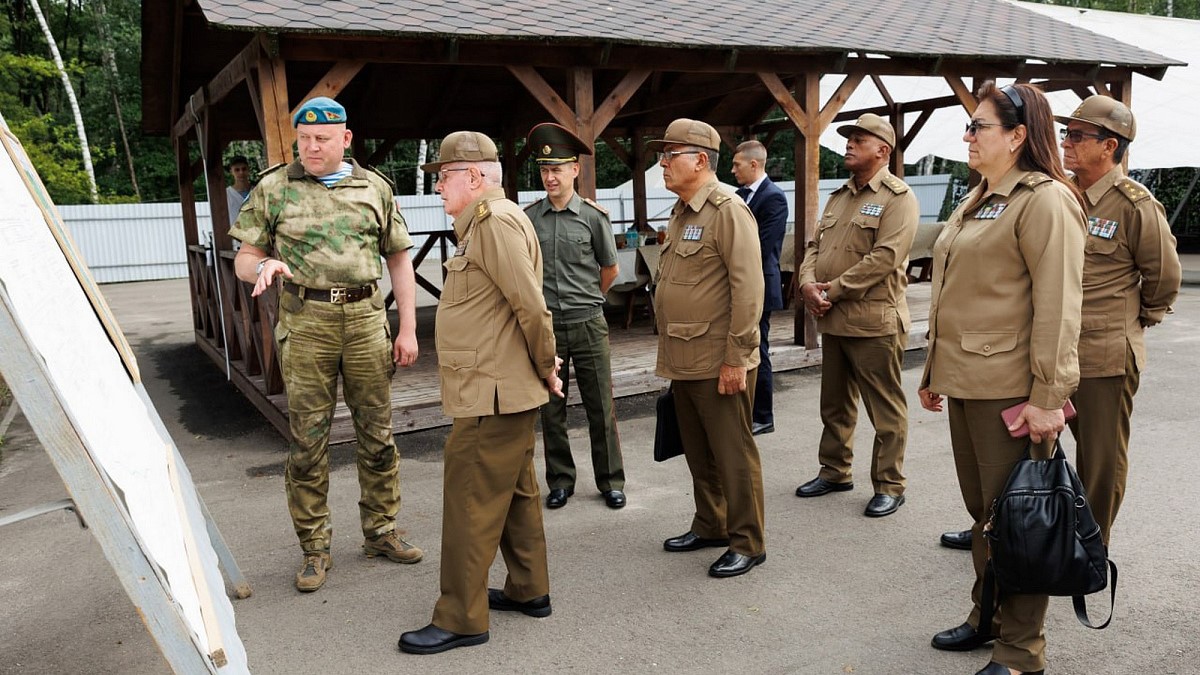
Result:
x=723 y=458
x=984 y=456
x=317 y=341
x=1103 y=406
x=489 y=499
x=584 y=344
x=870 y=365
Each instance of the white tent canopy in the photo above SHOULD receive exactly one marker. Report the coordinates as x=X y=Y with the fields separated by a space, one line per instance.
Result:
x=1162 y=107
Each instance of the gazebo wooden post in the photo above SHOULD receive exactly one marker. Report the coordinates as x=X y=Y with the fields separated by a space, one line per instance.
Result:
x=511 y=162
x=641 y=216
x=584 y=105
x=806 y=116
x=273 y=92
x=191 y=232
x=897 y=160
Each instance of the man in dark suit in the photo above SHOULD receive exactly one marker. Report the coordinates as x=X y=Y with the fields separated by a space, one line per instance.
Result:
x=770 y=208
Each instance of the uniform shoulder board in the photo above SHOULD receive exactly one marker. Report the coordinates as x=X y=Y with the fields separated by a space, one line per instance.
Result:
x=1035 y=178
x=1133 y=190
x=387 y=180
x=535 y=203
x=594 y=205
x=272 y=169
x=895 y=184
x=718 y=198
x=483 y=210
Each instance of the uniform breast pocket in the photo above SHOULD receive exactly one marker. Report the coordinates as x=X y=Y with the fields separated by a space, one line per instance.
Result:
x=1100 y=246
x=689 y=263
x=457 y=285
x=862 y=234
x=825 y=226
x=580 y=246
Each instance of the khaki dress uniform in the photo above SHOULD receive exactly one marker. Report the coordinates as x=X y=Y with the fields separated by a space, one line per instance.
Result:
x=495 y=345
x=707 y=305
x=332 y=238
x=576 y=242
x=1003 y=327
x=861 y=249
x=1131 y=275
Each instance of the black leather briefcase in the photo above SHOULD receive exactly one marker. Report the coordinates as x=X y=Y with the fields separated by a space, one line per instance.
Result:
x=667 y=441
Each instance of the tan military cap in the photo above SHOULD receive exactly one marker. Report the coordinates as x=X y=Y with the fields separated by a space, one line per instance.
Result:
x=554 y=144
x=463 y=146
x=689 y=132
x=1106 y=113
x=872 y=124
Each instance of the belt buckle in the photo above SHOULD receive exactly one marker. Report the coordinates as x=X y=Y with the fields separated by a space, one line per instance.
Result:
x=339 y=296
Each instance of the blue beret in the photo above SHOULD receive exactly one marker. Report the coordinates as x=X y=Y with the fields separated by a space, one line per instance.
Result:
x=320 y=110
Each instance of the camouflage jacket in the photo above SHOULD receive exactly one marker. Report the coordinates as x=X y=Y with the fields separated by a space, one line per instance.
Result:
x=329 y=237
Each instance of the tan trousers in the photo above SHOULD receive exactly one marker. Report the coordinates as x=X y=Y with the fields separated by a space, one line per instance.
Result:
x=870 y=366
x=984 y=456
x=1104 y=406
x=723 y=458
x=490 y=499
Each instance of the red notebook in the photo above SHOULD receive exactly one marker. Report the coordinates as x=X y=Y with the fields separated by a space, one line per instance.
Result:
x=1010 y=416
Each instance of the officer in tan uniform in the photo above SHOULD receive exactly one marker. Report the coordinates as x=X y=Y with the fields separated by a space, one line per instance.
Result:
x=1003 y=327
x=707 y=305
x=328 y=221
x=495 y=344
x=580 y=259
x=853 y=280
x=1131 y=275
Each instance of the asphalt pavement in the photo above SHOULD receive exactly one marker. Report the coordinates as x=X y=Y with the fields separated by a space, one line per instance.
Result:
x=839 y=593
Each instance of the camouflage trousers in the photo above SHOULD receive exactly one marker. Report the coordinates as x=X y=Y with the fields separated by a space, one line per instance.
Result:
x=317 y=341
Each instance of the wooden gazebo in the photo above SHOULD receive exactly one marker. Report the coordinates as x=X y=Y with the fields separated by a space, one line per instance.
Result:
x=217 y=71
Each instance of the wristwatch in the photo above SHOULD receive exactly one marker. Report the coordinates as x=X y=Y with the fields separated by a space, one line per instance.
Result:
x=261 y=264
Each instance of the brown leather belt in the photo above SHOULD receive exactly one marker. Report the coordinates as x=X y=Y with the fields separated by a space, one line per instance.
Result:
x=337 y=296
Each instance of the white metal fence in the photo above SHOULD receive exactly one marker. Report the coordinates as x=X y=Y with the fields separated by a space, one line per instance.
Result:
x=141 y=242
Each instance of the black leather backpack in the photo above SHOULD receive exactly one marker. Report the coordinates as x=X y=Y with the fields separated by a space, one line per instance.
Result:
x=1043 y=539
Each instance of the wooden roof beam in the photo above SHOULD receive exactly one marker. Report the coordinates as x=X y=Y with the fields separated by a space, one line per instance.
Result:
x=617 y=98
x=333 y=82
x=790 y=106
x=224 y=82
x=541 y=90
x=839 y=98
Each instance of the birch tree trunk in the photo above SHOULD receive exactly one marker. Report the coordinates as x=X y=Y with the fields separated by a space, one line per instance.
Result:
x=62 y=71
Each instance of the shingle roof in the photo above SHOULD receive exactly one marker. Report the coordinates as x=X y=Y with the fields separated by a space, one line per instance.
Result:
x=956 y=28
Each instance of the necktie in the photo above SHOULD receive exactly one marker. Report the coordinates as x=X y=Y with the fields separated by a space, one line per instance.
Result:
x=744 y=193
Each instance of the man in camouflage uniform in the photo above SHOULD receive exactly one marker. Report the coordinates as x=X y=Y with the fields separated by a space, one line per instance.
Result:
x=328 y=221
x=580 y=264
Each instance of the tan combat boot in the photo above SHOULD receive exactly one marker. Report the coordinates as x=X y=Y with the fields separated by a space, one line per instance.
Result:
x=312 y=575
x=392 y=546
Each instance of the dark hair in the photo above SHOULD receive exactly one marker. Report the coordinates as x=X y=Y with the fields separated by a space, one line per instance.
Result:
x=237 y=159
x=1040 y=151
x=1122 y=147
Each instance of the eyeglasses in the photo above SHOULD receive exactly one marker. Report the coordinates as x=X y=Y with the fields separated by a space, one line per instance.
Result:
x=672 y=154
x=442 y=175
x=974 y=126
x=1077 y=136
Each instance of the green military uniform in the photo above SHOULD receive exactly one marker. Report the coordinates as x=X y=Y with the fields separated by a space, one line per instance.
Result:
x=707 y=305
x=332 y=238
x=1131 y=275
x=861 y=249
x=495 y=346
x=576 y=242
x=1003 y=325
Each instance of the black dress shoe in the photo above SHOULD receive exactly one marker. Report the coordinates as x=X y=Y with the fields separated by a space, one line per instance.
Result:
x=614 y=498
x=883 y=505
x=960 y=540
x=433 y=640
x=538 y=607
x=759 y=428
x=962 y=638
x=558 y=497
x=993 y=668
x=688 y=541
x=819 y=486
x=732 y=563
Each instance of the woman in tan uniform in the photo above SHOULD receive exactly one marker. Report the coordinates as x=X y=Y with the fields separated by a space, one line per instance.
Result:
x=1003 y=329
